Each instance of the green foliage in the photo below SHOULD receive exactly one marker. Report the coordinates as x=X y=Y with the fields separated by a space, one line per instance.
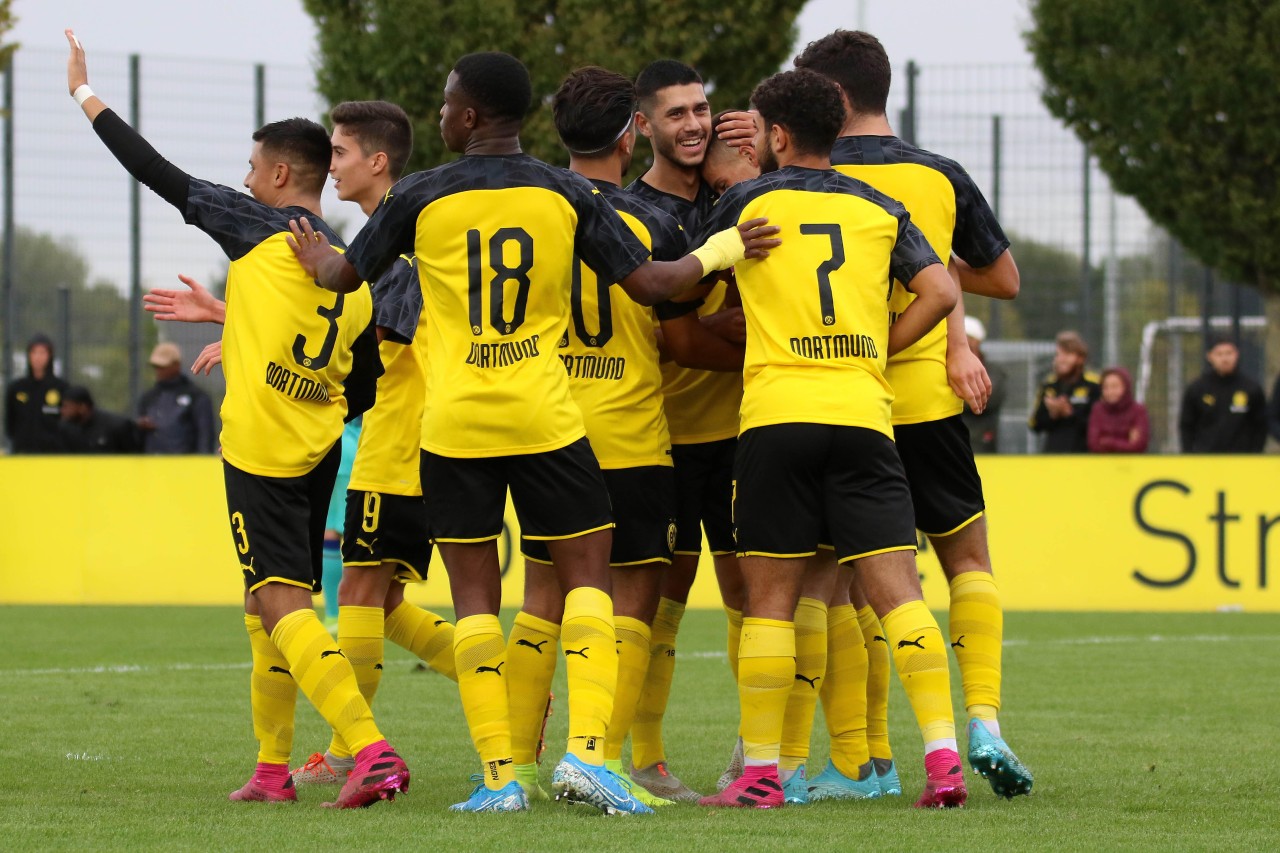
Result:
x=1177 y=102
x=99 y=324
x=402 y=50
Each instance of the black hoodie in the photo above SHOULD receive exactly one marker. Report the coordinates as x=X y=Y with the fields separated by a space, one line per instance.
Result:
x=32 y=407
x=1223 y=414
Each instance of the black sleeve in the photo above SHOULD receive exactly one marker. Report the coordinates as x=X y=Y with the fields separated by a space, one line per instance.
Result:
x=912 y=252
x=141 y=160
x=978 y=240
x=602 y=239
x=1273 y=411
x=669 y=310
x=391 y=230
x=397 y=300
x=1257 y=420
x=10 y=411
x=723 y=215
x=361 y=385
x=1187 y=419
x=1040 y=414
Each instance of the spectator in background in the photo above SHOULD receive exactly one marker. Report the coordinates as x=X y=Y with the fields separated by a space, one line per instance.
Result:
x=85 y=429
x=33 y=403
x=1273 y=410
x=1224 y=410
x=1118 y=423
x=984 y=427
x=174 y=415
x=1066 y=397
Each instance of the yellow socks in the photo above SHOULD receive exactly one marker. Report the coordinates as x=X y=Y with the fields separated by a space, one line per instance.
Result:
x=646 y=729
x=426 y=634
x=877 y=647
x=920 y=656
x=591 y=665
x=480 y=652
x=633 y=662
x=844 y=691
x=977 y=631
x=531 y=664
x=360 y=638
x=811 y=669
x=322 y=672
x=272 y=696
x=766 y=671
x=734 y=638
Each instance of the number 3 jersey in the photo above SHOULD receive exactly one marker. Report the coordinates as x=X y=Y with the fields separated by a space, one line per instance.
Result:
x=287 y=348
x=817 y=308
x=495 y=239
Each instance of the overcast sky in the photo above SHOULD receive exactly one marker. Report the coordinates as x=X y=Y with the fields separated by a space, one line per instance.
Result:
x=280 y=32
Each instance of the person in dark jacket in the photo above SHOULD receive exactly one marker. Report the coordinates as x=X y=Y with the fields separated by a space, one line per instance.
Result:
x=174 y=415
x=33 y=403
x=1224 y=410
x=86 y=429
x=1066 y=397
x=1118 y=423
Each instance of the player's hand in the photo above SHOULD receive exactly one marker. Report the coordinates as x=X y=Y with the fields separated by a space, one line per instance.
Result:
x=309 y=246
x=968 y=378
x=738 y=129
x=208 y=358
x=728 y=323
x=196 y=305
x=77 y=71
x=757 y=237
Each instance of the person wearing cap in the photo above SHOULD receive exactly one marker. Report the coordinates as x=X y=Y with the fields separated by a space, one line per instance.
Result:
x=984 y=426
x=1224 y=409
x=1066 y=398
x=84 y=428
x=174 y=415
x=32 y=403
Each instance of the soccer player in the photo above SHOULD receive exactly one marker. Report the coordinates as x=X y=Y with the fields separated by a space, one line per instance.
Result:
x=292 y=364
x=816 y=462
x=499 y=414
x=701 y=406
x=612 y=359
x=931 y=381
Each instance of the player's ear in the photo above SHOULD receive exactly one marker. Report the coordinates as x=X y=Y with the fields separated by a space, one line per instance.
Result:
x=779 y=139
x=642 y=125
x=470 y=118
x=280 y=176
x=379 y=163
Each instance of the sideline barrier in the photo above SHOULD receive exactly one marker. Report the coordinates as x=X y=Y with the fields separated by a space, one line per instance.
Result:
x=1138 y=533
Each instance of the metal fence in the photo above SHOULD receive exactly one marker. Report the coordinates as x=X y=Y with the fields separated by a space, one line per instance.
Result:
x=1091 y=259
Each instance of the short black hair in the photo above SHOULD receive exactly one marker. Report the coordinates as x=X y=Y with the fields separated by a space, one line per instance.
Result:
x=593 y=108
x=857 y=62
x=303 y=144
x=659 y=75
x=378 y=126
x=717 y=147
x=497 y=82
x=806 y=103
x=78 y=394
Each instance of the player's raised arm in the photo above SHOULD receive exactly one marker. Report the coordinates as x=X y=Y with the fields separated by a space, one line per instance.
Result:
x=134 y=153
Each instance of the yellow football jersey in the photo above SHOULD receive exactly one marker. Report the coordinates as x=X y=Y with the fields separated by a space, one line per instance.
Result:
x=495 y=239
x=816 y=308
x=287 y=344
x=948 y=208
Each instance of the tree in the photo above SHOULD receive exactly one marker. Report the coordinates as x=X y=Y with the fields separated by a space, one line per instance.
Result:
x=1176 y=100
x=402 y=50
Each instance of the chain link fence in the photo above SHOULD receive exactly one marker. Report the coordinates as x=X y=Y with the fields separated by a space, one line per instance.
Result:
x=85 y=241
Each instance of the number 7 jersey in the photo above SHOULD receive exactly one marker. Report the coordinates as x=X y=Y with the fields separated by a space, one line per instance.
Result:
x=817 y=308
x=495 y=238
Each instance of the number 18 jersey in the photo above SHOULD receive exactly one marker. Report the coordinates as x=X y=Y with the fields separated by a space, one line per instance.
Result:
x=495 y=239
x=817 y=308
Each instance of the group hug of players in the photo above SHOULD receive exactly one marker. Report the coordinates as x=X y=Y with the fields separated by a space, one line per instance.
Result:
x=791 y=387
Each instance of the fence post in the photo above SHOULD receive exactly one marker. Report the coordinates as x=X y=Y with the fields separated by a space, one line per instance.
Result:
x=135 y=241
x=1174 y=369
x=1086 y=255
x=997 y=145
x=259 y=95
x=64 y=318
x=909 y=114
x=9 y=234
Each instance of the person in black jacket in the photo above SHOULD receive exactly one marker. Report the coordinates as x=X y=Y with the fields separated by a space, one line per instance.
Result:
x=1224 y=410
x=1066 y=398
x=33 y=402
x=87 y=429
x=174 y=415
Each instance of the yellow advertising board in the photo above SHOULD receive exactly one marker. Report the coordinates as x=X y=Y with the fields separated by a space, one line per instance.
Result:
x=1142 y=533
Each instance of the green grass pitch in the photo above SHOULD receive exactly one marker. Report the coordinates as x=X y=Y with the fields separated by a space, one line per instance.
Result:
x=127 y=727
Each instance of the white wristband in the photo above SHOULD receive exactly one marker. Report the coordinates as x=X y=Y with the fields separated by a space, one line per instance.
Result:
x=82 y=93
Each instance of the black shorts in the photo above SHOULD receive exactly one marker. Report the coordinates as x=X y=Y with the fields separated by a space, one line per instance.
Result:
x=945 y=487
x=277 y=523
x=558 y=494
x=381 y=528
x=644 y=530
x=704 y=495
x=801 y=485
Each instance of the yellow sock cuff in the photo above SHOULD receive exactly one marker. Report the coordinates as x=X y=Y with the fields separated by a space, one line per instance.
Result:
x=587 y=602
x=473 y=626
x=811 y=614
x=535 y=623
x=252 y=623
x=839 y=615
x=735 y=616
x=290 y=624
x=666 y=621
x=908 y=618
x=632 y=625
x=867 y=617
x=767 y=638
x=355 y=621
x=971 y=583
